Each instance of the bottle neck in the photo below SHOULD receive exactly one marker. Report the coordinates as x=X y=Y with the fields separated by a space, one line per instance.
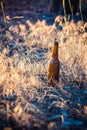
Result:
x=55 y=51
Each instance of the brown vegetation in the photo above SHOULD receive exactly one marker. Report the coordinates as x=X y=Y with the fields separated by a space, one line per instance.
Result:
x=26 y=100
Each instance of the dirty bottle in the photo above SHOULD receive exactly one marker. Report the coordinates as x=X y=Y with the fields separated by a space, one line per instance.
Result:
x=53 y=65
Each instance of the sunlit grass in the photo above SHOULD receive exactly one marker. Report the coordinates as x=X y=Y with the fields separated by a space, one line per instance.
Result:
x=24 y=74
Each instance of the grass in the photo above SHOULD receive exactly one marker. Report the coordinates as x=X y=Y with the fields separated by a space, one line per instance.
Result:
x=23 y=75
x=72 y=55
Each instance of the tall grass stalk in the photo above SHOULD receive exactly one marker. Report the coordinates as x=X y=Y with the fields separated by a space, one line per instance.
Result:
x=70 y=7
x=2 y=7
x=64 y=7
x=80 y=7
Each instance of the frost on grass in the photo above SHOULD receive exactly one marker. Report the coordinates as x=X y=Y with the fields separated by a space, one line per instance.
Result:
x=23 y=75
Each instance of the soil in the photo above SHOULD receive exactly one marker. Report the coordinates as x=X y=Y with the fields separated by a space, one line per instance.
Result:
x=27 y=102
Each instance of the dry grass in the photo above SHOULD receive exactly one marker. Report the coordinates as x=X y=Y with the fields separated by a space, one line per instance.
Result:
x=23 y=75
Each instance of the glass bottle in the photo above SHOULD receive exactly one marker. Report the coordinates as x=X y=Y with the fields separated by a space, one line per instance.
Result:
x=53 y=65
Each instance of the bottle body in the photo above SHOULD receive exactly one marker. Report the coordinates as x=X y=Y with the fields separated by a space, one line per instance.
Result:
x=53 y=70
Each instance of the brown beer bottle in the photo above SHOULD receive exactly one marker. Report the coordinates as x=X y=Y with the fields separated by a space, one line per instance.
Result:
x=54 y=64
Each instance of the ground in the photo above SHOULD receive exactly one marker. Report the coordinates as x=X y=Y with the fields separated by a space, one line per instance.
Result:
x=27 y=102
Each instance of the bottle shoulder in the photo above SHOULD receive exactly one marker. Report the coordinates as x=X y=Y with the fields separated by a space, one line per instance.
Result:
x=53 y=60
